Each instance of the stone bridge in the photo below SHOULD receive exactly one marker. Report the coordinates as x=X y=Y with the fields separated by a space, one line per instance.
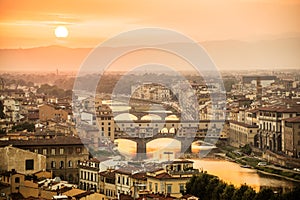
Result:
x=186 y=139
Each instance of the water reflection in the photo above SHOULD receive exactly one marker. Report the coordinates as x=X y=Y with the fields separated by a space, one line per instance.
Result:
x=228 y=171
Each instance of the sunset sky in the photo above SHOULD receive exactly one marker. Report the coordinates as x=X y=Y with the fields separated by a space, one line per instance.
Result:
x=31 y=23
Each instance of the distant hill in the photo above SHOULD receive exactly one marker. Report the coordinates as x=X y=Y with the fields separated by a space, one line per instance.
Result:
x=229 y=54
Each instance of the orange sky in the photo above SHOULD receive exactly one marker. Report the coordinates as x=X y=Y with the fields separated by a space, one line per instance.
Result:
x=31 y=23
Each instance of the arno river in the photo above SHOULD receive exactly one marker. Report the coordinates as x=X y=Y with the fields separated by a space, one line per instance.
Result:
x=229 y=172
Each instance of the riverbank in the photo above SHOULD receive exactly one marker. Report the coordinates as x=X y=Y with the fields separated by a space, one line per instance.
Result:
x=234 y=155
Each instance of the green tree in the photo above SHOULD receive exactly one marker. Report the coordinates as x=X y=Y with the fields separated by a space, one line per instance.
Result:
x=249 y=194
x=293 y=195
x=246 y=149
x=264 y=194
x=228 y=192
x=212 y=184
x=216 y=195
x=24 y=126
x=239 y=193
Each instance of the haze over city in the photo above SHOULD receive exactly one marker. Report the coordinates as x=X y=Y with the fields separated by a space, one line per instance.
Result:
x=245 y=34
x=149 y=100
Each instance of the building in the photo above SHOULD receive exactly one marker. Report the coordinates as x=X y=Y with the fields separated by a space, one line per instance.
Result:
x=241 y=134
x=291 y=131
x=21 y=161
x=88 y=175
x=271 y=121
x=106 y=122
x=63 y=154
x=50 y=112
x=152 y=92
x=107 y=184
x=12 y=110
x=171 y=180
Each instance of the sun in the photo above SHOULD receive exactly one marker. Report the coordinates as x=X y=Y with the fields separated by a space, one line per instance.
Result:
x=61 y=32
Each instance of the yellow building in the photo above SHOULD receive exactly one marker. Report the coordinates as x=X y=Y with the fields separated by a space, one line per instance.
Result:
x=172 y=179
x=107 y=185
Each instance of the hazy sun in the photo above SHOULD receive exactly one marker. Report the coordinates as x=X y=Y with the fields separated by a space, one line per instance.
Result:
x=61 y=32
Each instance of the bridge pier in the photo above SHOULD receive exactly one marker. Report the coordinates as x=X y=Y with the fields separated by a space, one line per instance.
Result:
x=141 y=149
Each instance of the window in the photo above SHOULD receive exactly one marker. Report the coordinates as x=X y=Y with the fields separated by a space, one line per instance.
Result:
x=169 y=188
x=78 y=150
x=181 y=188
x=44 y=151
x=53 y=151
x=17 y=180
x=156 y=188
x=53 y=164
x=61 y=164
x=61 y=151
x=29 y=164
x=70 y=164
x=150 y=186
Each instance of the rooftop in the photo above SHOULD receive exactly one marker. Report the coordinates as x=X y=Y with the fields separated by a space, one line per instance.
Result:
x=293 y=119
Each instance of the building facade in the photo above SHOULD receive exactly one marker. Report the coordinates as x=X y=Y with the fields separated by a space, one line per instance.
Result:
x=291 y=131
x=63 y=154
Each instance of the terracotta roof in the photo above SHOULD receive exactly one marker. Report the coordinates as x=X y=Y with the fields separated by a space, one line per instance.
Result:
x=282 y=109
x=293 y=119
x=243 y=124
x=253 y=110
x=74 y=192
x=140 y=176
x=108 y=174
x=59 y=140
x=164 y=175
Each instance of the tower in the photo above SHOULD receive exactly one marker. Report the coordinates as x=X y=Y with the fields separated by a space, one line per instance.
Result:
x=258 y=90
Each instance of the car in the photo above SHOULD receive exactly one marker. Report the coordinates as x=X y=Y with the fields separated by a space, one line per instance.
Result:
x=296 y=169
x=262 y=164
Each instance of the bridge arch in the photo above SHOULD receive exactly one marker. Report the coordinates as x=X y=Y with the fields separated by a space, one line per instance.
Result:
x=172 y=117
x=125 y=117
x=151 y=117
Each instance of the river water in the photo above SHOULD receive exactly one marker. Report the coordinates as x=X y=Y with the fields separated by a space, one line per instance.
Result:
x=230 y=172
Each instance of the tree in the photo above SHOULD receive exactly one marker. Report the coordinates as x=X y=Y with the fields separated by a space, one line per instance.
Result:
x=239 y=193
x=294 y=195
x=246 y=149
x=24 y=126
x=213 y=183
x=249 y=194
x=216 y=195
x=228 y=192
x=197 y=185
x=264 y=194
